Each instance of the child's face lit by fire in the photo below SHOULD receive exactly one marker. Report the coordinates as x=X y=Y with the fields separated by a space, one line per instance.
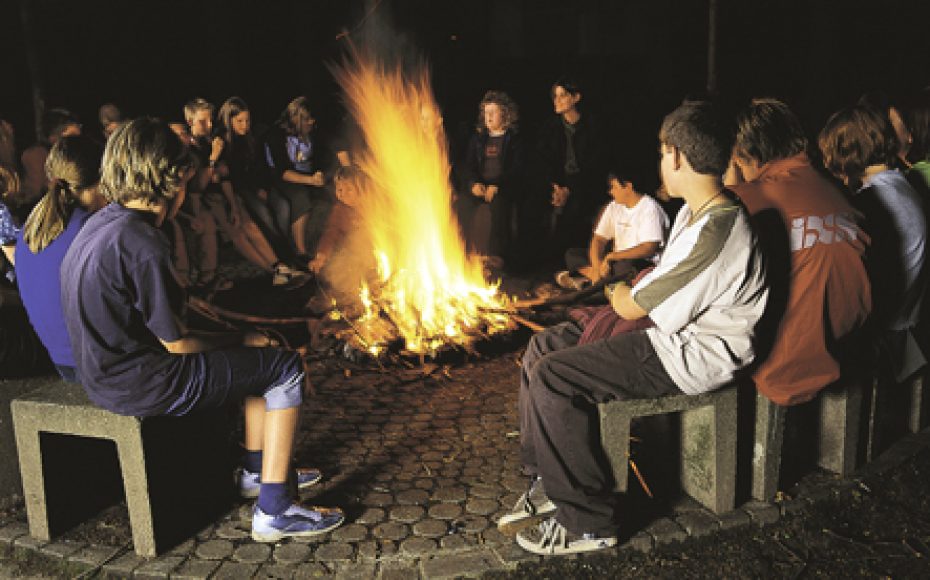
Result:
x=493 y=118
x=201 y=123
x=347 y=192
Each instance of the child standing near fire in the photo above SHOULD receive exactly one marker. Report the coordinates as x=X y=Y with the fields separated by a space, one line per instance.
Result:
x=341 y=245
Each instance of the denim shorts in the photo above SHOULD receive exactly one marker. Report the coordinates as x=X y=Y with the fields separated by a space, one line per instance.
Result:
x=230 y=375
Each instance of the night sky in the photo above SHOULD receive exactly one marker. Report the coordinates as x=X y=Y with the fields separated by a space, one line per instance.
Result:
x=635 y=58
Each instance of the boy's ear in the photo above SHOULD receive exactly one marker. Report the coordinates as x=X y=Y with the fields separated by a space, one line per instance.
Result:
x=676 y=157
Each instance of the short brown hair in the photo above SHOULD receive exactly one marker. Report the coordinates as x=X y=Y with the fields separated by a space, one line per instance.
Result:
x=854 y=139
x=703 y=132
x=917 y=111
x=143 y=160
x=109 y=113
x=767 y=130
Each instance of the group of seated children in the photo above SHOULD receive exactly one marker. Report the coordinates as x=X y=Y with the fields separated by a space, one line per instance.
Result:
x=760 y=231
x=769 y=272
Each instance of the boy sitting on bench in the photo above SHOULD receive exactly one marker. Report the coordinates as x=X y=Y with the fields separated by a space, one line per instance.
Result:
x=705 y=296
x=122 y=305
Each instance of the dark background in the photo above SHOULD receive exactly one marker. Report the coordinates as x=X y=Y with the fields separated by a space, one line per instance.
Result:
x=635 y=58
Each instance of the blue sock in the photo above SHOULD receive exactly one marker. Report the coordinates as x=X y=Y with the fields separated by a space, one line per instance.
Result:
x=273 y=498
x=252 y=461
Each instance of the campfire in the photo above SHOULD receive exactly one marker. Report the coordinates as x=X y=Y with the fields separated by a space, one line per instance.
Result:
x=427 y=294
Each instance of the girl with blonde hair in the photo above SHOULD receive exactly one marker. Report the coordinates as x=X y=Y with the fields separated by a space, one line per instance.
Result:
x=73 y=171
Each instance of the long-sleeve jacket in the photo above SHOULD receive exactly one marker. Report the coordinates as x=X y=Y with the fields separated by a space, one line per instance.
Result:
x=512 y=163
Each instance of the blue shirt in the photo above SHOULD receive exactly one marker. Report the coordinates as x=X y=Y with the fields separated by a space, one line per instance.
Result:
x=895 y=220
x=119 y=296
x=283 y=152
x=8 y=232
x=39 y=281
x=8 y=227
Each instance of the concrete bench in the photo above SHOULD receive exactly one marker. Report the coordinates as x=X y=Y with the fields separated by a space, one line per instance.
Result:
x=837 y=442
x=895 y=410
x=917 y=412
x=708 y=442
x=10 y=483
x=175 y=474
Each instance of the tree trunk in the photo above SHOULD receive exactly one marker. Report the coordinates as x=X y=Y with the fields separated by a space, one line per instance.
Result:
x=32 y=61
x=712 y=47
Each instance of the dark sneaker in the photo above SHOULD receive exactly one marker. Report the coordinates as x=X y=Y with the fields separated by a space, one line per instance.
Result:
x=551 y=538
x=533 y=503
x=296 y=521
x=565 y=280
x=250 y=483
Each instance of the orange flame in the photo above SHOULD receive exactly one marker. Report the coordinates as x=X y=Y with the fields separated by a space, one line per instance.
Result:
x=432 y=292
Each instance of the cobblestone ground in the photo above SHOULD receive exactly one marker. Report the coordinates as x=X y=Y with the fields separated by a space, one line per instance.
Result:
x=424 y=462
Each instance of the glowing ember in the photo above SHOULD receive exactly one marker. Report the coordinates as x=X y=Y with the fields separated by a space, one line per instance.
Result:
x=427 y=290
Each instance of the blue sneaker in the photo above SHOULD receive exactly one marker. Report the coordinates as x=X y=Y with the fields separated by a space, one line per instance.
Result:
x=295 y=521
x=250 y=482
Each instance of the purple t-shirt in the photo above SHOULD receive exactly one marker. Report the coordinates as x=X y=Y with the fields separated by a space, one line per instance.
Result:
x=38 y=276
x=120 y=295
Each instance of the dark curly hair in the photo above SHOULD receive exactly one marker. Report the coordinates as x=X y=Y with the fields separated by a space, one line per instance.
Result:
x=509 y=109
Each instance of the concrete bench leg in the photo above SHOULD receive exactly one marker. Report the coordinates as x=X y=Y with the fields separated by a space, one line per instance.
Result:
x=840 y=411
x=915 y=418
x=708 y=453
x=10 y=483
x=766 y=452
x=136 y=484
x=30 y=463
x=615 y=438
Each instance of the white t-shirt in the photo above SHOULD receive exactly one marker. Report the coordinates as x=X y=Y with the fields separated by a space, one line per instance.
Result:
x=705 y=296
x=629 y=227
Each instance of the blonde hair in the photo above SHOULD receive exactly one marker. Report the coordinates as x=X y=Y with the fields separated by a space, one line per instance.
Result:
x=144 y=160
x=9 y=183
x=196 y=105
x=73 y=165
x=293 y=117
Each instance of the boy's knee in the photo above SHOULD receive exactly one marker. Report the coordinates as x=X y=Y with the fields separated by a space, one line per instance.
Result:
x=534 y=350
x=547 y=379
x=288 y=391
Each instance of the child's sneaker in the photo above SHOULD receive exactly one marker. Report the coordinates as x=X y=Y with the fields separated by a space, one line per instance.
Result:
x=551 y=537
x=250 y=483
x=286 y=276
x=533 y=503
x=295 y=521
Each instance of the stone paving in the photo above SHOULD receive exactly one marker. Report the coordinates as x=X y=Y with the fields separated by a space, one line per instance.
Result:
x=424 y=461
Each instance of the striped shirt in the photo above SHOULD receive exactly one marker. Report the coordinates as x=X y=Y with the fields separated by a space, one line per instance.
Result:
x=705 y=296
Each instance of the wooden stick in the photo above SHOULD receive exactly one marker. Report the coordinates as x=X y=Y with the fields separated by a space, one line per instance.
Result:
x=639 y=476
x=250 y=318
x=528 y=323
